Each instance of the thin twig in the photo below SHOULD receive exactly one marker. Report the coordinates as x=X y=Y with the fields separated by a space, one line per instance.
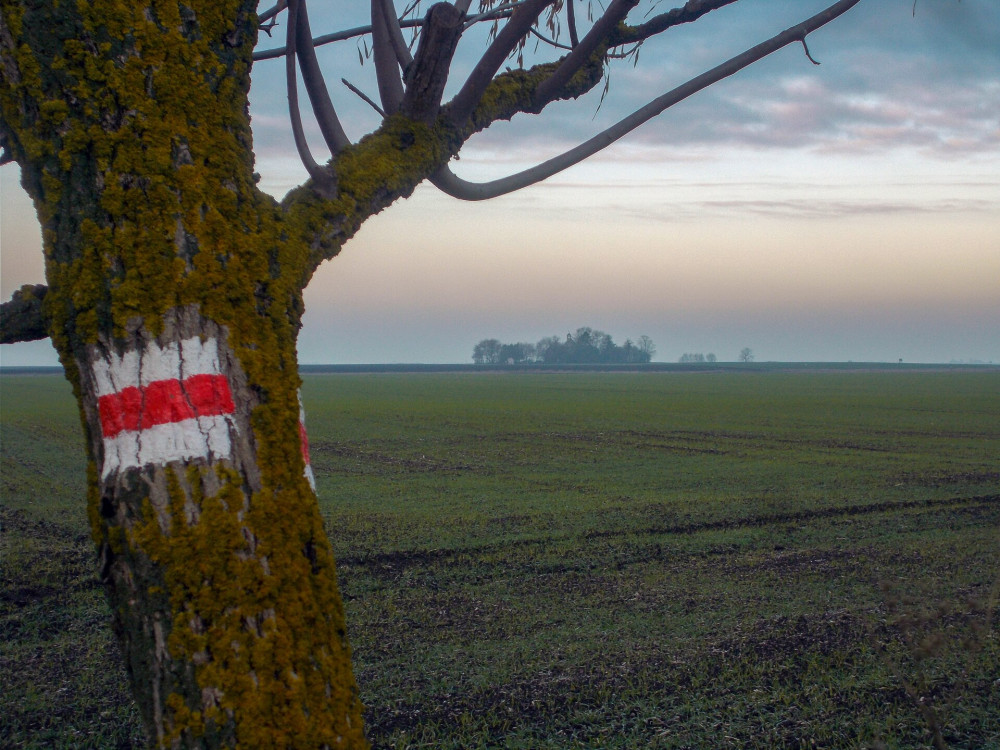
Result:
x=806 y=48
x=267 y=15
x=341 y=36
x=504 y=10
x=548 y=41
x=363 y=96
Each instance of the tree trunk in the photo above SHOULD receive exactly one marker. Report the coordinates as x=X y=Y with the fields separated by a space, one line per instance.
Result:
x=220 y=577
x=174 y=303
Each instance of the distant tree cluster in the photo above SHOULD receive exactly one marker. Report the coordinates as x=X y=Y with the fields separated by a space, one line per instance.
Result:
x=586 y=346
x=697 y=357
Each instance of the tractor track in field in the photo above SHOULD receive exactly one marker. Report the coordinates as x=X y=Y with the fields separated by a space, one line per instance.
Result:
x=417 y=557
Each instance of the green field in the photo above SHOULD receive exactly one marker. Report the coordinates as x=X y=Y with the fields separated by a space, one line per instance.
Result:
x=626 y=560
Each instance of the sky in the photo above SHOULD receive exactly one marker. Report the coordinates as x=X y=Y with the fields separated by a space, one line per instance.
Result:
x=848 y=211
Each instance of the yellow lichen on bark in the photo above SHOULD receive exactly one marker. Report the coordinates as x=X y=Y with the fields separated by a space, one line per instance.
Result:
x=130 y=121
x=264 y=670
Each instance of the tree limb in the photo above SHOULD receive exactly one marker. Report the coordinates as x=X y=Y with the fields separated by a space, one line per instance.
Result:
x=390 y=85
x=455 y=186
x=270 y=13
x=21 y=318
x=326 y=116
x=692 y=11
x=571 y=22
x=428 y=73
x=576 y=59
x=399 y=46
x=468 y=97
x=336 y=36
x=323 y=179
x=502 y=11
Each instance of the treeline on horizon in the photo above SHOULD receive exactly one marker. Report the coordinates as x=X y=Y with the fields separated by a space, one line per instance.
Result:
x=586 y=346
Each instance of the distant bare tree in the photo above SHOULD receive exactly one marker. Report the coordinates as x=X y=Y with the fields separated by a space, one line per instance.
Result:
x=646 y=346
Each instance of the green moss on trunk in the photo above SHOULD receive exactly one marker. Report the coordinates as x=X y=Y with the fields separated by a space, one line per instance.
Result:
x=131 y=125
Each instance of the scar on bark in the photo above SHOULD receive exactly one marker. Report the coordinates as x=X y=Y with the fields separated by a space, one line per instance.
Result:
x=21 y=317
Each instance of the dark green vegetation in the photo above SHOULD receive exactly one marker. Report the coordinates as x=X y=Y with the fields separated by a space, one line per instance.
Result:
x=756 y=559
x=586 y=347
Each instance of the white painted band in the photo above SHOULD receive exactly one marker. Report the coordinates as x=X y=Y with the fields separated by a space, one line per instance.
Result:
x=176 y=360
x=204 y=437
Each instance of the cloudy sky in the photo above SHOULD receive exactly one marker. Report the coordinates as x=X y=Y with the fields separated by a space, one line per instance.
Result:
x=846 y=211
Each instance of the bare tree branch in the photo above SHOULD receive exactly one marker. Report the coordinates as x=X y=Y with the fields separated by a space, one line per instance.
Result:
x=403 y=56
x=329 y=124
x=575 y=60
x=427 y=74
x=270 y=13
x=455 y=186
x=323 y=179
x=502 y=11
x=692 y=11
x=551 y=42
x=390 y=85
x=805 y=48
x=21 y=317
x=363 y=96
x=482 y=75
x=571 y=22
x=336 y=36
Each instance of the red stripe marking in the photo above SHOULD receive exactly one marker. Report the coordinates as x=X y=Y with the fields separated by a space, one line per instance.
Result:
x=209 y=395
x=164 y=402
x=304 y=440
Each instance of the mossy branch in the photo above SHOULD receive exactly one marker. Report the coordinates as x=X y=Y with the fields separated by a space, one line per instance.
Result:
x=21 y=318
x=371 y=175
x=690 y=12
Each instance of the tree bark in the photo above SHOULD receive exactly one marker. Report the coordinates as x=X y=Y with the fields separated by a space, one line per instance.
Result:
x=21 y=318
x=174 y=303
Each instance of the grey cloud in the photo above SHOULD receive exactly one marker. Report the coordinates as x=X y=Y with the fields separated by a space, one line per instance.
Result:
x=804 y=209
x=887 y=81
x=818 y=209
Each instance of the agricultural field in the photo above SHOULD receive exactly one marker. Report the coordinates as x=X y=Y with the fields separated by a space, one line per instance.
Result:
x=748 y=559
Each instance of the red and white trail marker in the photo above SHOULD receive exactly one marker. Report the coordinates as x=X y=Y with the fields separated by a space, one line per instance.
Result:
x=304 y=441
x=163 y=404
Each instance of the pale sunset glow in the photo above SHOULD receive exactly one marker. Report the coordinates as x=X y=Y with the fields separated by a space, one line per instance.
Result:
x=846 y=211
